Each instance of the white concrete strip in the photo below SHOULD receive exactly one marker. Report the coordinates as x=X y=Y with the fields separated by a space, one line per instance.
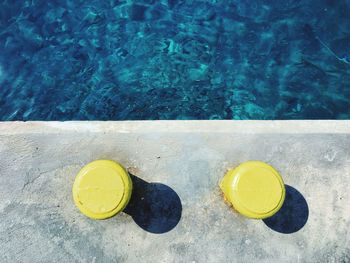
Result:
x=217 y=126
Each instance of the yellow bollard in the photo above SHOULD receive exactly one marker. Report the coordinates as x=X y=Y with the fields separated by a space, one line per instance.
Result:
x=255 y=189
x=102 y=189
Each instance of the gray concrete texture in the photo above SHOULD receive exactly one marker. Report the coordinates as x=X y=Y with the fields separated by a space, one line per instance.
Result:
x=177 y=212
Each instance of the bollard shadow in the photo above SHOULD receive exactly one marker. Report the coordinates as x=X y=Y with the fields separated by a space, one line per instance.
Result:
x=155 y=207
x=292 y=216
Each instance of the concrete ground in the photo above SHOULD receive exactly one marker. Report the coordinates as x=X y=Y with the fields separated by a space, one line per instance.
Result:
x=177 y=213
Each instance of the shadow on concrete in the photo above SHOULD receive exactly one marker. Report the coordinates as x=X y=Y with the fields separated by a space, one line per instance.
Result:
x=155 y=207
x=292 y=216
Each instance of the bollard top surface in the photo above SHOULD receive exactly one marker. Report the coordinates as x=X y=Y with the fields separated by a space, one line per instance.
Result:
x=102 y=189
x=255 y=189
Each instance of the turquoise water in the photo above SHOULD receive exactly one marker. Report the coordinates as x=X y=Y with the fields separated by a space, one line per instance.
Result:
x=174 y=59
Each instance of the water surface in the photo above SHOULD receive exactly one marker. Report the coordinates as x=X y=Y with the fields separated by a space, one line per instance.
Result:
x=174 y=59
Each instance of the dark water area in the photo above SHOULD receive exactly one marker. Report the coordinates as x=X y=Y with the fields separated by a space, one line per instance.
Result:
x=174 y=59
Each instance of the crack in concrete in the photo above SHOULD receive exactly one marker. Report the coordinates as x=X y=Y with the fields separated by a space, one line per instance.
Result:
x=32 y=180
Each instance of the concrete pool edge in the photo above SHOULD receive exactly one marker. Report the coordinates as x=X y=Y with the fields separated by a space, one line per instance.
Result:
x=205 y=126
x=184 y=160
